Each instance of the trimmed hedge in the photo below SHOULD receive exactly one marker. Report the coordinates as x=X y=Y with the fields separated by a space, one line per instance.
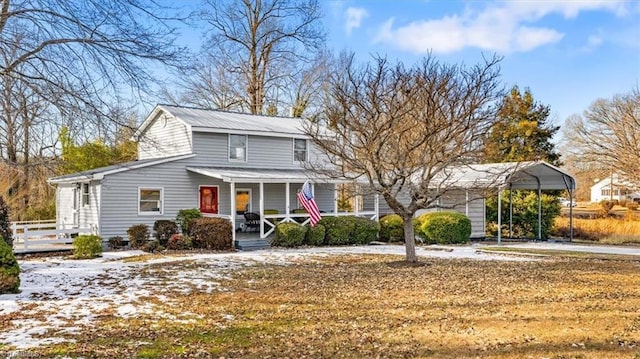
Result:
x=87 y=246
x=138 y=235
x=289 y=234
x=9 y=270
x=391 y=228
x=365 y=230
x=164 y=229
x=185 y=219
x=315 y=235
x=444 y=227
x=116 y=242
x=212 y=233
x=338 y=230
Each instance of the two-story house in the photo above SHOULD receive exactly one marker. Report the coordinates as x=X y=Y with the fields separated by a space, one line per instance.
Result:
x=227 y=163
x=223 y=163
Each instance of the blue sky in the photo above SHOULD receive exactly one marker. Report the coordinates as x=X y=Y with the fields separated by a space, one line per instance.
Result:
x=569 y=53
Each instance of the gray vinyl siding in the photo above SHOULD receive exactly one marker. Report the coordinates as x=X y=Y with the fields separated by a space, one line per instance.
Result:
x=166 y=137
x=212 y=149
x=180 y=191
x=324 y=194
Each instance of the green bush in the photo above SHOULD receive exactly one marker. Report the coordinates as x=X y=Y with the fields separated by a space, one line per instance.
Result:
x=87 y=246
x=164 y=229
x=116 y=242
x=315 y=235
x=365 y=230
x=185 y=218
x=9 y=270
x=179 y=242
x=289 y=234
x=338 y=230
x=138 y=235
x=5 y=225
x=212 y=233
x=445 y=227
x=391 y=228
x=525 y=214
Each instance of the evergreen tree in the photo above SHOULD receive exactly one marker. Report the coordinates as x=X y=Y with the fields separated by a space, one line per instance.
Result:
x=5 y=225
x=522 y=132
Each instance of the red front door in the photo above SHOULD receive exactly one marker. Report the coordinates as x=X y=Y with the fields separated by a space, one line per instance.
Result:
x=209 y=199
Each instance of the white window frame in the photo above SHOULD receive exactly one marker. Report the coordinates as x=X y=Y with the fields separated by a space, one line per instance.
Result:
x=250 y=197
x=85 y=194
x=160 y=207
x=246 y=148
x=306 y=150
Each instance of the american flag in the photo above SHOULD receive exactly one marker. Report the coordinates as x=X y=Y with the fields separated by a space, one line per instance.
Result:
x=306 y=199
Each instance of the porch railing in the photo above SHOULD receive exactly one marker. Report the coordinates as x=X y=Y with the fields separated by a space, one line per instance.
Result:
x=270 y=220
x=26 y=234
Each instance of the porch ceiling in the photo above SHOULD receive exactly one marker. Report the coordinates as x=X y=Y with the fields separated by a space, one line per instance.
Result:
x=259 y=175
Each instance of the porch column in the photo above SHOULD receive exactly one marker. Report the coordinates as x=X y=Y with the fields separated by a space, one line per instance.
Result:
x=261 y=209
x=355 y=199
x=466 y=203
x=377 y=206
x=232 y=188
x=510 y=211
x=499 y=216
x=287 y=206
x=335 y=198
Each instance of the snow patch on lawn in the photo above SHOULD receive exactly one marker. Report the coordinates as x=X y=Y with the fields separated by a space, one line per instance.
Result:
x=65 y=295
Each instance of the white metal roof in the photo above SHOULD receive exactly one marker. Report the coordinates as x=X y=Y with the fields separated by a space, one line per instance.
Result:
x=203 y=120
x=515 y=175
x=257 y=175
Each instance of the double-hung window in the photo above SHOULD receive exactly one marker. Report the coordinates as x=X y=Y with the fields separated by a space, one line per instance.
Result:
x=238 y=148
x=299 y=150
x=85 y=194
x=150 y=201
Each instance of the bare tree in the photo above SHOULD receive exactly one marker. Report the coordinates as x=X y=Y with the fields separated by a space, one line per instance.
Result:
x=254 y=44
x=402 y=128
x=609 y=135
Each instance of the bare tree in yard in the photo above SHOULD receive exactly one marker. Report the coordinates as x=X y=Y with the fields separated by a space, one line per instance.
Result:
x=401 y=128
x=254 y=44
x=67 y=61
x=609 y=134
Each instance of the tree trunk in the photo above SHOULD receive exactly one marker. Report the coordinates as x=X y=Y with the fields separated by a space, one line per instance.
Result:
x=409 y=239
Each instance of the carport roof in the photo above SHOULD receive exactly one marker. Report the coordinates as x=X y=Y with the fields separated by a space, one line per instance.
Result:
x=514 y=175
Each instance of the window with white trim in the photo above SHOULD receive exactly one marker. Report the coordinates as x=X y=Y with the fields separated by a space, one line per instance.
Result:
x=299 y=150
x=150 y=200
x=85 y=194
x=238 y=148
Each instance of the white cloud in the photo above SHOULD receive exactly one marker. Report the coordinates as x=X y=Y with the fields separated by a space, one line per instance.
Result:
x=504 y=27
x=354 y=16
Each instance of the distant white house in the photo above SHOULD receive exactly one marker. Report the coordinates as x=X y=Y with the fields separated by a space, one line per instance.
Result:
x=614 y=187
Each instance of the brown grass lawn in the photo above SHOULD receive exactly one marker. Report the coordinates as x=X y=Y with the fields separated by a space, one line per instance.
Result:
x=365 y=307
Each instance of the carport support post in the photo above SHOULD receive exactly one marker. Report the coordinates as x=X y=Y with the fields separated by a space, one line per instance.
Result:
x=539 y=211
x=510 y=211
x=499 y=216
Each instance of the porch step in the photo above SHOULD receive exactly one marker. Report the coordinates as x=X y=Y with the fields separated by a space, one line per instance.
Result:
x=252 y=244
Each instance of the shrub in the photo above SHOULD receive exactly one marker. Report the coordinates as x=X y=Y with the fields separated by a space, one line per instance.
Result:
x=445 y=227
x=116 y=242
x=338 y=230
x=9 y=270
x=289 y=234
x=315 y=235
x=185 y=218
x=212 y=233
x=164 y=229
x=525 y=214
x=632 y=205
x=607 y=205
x=365 y=230
x=179 y=242
x=152 y=247
x=391 y=228
x=87 y=246
x=5 y=225
x=138 y=235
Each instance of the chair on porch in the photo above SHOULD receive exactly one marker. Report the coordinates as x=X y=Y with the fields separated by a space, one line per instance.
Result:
x=251 y=220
